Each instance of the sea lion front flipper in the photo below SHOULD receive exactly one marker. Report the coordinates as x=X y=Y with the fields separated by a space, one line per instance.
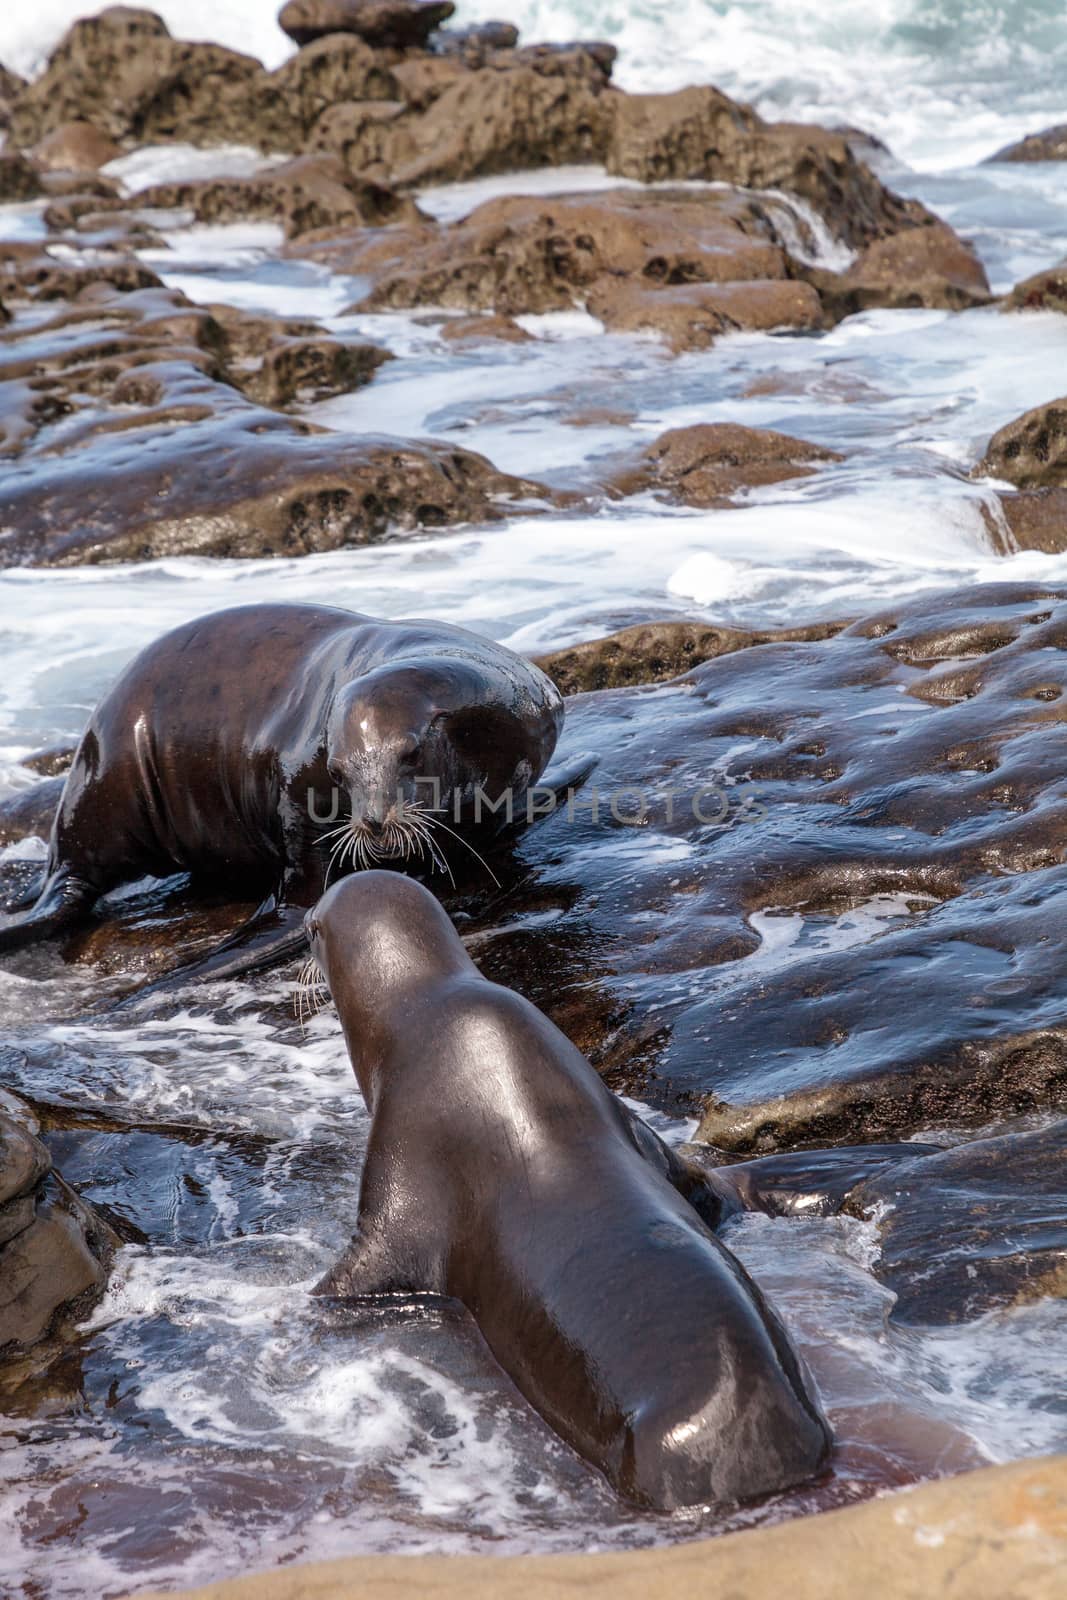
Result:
x=812 y=1183
x=272 y=934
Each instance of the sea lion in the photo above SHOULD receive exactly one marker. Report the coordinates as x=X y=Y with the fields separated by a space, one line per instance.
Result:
x=503 y=1173
x=234 y=745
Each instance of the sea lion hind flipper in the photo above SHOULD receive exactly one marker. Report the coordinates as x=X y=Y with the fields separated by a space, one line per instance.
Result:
x=368 y=1269
x=61 y=904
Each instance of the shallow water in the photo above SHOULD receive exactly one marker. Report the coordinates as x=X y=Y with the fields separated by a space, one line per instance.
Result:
x=211 y=1417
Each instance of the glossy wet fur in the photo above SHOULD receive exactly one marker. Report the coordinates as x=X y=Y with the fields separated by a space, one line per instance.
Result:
x=231 y=745
x=502 y=1172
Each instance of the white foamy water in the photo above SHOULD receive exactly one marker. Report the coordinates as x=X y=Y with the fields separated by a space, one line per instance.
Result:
x=221 y=1420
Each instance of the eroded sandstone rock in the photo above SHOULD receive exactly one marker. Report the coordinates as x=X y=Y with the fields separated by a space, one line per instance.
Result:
x=76 y=147
x=893 y=794
x=18 y=179
x=1030 y=452
x=1044 y=291
x=54 y=1250
x=234 y=478
x=706 y=464
x=399 y=23
x=308 y=193
x=1048 y=145
x=927 y=266
x=122 y=71
x=652 y=652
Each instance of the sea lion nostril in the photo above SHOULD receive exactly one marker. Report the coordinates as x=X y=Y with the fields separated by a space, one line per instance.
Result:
x=373 y=827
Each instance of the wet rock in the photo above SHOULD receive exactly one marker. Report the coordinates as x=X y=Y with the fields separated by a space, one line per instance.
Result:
x=1030 y=452
x=50 y=763
x=1037 y=519
x=302 y=371
x=479 y=330
x=504 y=118
x=707 y=464
x=122 y=71
x=1048 y=145
x=54 y=1250
x=172 y=457
x=474 y=45
x=397 y=23
x=30 y=811
x=524 y=254
x=337 y=68
x=923 y=266
x=28 y=272
x=10 y=86
x=650 y=652
x=306 y=194
x=1045 y=291
x=693 y=315
x=699 y=133
x=76 y=147
x=18 y=179
x=992 y=1214
x=781 y=843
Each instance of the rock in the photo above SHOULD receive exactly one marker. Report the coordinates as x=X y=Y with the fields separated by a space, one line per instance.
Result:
x=1037 y=520
x=50 y=763
x=337 y=68
x=392 y=23
x=526 y=254
x=692 y=316
x=700 y=133
x=496 y=120
x=475 y=45
x=234 y=478
x=992 y=1214
x=306 y=194
x=122 y=71
x=707 y=464
x=479 y=330
x=1030 y=452
x=11 y=85
x=302 y=371
x=986 y=1535
x=76 y=147
x=1049 y=145
x=29 y=811
x=923 y=266
x=875 y=813
x=18 y=180
x=54 y=1250
x=652 y=652
x=1045 y=291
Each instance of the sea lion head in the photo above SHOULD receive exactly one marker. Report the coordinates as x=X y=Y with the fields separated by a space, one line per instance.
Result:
x=377 y=937
x=418 y=749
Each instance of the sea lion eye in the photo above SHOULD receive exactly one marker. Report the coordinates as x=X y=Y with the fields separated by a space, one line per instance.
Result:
x=335 y=773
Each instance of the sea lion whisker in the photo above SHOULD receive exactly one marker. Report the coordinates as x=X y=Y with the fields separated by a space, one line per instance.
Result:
x=437 y=823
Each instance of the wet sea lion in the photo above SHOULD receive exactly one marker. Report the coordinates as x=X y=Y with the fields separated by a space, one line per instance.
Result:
x=503 y=1173
x=236 y=744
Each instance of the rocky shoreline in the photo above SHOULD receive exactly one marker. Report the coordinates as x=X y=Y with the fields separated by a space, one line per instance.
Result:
x=695 y=940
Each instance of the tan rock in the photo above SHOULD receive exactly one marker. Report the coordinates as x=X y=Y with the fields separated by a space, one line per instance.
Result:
x=306 y=195
x=76 y=147
x=1048 y=145
x=523 y=254
x=998 y=1534
x=400 y=23
x=923 y=266
x=1045 y=291
x=701 y=133
x=705 y=465
x=1037 y=519
x=18 y=180
x=478 y=330
x=1030 y=452
x=654 y=652
x=692 y=316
